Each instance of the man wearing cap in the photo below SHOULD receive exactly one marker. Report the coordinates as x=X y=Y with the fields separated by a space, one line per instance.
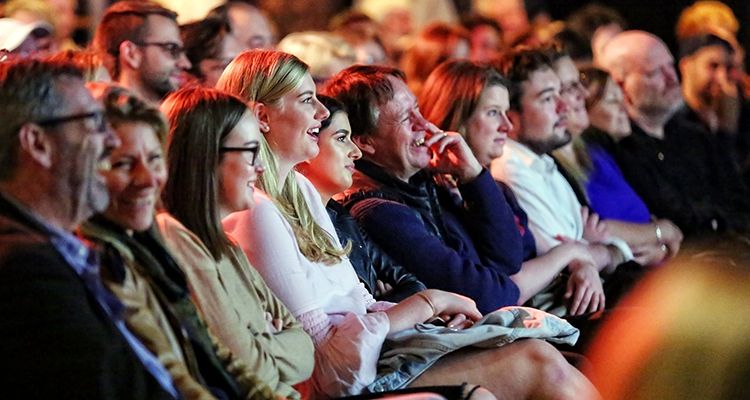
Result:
x=21 y=39
x=677 y=168
x=146 y=54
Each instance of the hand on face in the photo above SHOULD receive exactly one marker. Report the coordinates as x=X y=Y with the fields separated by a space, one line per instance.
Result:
x=451 y=155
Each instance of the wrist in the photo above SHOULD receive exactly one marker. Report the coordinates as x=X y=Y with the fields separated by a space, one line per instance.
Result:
x=659 y=234
x=429 y=302
x=468 y=174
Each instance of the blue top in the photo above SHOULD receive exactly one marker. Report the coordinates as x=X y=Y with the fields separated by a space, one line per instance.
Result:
x=609 y=194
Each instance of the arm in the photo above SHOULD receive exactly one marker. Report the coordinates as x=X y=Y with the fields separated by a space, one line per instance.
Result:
x=228 y=301
x=642 y=238
x=328 y=300
x=538 y=272
x=397 y=228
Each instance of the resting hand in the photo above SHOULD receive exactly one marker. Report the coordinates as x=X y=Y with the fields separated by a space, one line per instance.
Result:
x=585 y=291
x=594 y=229
x=382 y=289
x=273 y=325
x=450 y=305
x=451 y=155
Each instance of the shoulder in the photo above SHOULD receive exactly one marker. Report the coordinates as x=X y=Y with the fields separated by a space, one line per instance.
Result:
x=180 y=239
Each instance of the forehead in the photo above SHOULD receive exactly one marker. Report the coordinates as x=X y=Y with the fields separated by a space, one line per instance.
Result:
x=655 y=55
x=712 y=53
x=77 y=98
x=494 y=94
x=539 y=81
x=162 y=28
x=403 y=99
x=566 y=70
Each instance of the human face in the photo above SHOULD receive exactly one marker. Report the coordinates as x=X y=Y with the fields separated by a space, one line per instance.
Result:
x=610 y=114
x=488 y=126
x=237 y=175
x=397 y=146
x=250 y=28
x=705 y=73
x=295 y=123
x=137 y=177
x=81 y=154
x=159 y=71
x=484 y=43
x=652 y=87
x=574 y=95
x=331 y=171
x=542 y=118
x=212 y=68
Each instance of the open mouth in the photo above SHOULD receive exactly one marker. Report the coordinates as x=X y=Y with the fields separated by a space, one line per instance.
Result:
x=104 y=165
x=418 y=143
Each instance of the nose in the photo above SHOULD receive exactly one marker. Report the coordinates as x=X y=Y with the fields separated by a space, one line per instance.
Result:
x=259 y=166
x=144 y=175
x=419 y=123
x=111 y=140
x=321 y=112
x=505 y=124
x=561 y=108
x=670 y=73
x=354 y=152
x=183 y=62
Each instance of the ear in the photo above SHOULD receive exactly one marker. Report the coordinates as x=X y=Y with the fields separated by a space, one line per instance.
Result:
x=364 y=143
x=515 y=118
x=36 y=144
x=260 y=112
x=130 y=55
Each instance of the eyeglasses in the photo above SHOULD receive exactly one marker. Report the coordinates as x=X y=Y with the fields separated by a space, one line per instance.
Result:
x=100 y=120
x=250 y=154
x=175 y=50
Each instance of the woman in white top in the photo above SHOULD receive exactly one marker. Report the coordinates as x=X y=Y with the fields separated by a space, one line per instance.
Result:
x=290 y=239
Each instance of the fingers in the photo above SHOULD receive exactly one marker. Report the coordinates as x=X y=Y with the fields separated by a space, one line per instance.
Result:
x=278 y=324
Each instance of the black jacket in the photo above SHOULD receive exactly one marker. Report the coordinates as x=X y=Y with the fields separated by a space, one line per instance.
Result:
x=369 y=261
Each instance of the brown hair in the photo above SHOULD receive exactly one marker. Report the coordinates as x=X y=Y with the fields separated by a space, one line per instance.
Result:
x=201 y=120
x=518 y=64
x=124 y=21
x=452 y=92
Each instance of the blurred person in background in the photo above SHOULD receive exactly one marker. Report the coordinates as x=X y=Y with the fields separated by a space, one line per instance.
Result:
x=325 y=53
x=210 y=47
x=486 y=37
x=18 y=39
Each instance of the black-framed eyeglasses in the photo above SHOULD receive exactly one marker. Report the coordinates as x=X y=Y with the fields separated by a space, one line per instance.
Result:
x=250 y=154
x=99 y=118
x=175 y=50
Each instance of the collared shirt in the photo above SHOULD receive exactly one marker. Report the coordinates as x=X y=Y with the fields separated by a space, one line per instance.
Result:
x=542 y=192
x=86 y=263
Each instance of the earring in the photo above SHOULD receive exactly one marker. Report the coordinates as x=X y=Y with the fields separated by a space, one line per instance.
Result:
x=265 y=128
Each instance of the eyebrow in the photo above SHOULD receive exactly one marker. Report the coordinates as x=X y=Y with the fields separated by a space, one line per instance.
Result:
x=306 y=93
x=545 y=91
x=342 y=130
x=255 y=142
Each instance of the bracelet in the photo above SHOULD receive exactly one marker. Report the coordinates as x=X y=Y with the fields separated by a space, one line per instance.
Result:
x=429 y=303
x=657 y=230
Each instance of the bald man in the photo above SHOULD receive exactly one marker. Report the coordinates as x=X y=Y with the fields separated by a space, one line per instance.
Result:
x=677 y=168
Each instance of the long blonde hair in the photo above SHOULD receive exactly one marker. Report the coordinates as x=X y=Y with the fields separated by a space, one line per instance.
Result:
x=265 y=76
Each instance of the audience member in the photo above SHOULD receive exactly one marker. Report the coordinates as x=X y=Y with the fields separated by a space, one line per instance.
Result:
x=210 y=47
x=143 y=48
x=652 y=244
x=325 y=53
x=63 y=333
x=485 y=37
x=704 y=17
x=679 y=170
x=58 y=15
x=222 y=132
x=320 y=286
x=362 y=33
x=438 y=42
x=249 y=25
x=331 y=173
x=596 y=24
x=472 y=99
x=466 y=250
x=19 y=40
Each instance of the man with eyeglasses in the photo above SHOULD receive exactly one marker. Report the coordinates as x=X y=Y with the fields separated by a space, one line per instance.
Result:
x=144 y=48
x=63 y=334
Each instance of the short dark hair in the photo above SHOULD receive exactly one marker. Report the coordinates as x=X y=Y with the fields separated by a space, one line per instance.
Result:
x=588 y=19
x=202 y=40
x=573 y=45
x=125 y=21
x=362 y=88
x=29 y=92
x=124 y=106
x=691 y=44
x=518 y=64
x=201 y=119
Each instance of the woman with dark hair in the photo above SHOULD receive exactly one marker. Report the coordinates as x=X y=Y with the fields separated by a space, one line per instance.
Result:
x=384 y=279
x=213 y=163
x=210 y=47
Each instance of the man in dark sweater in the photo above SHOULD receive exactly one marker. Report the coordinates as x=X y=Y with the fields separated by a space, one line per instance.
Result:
x=459 y=246
x=680 y=172
x=63 y=335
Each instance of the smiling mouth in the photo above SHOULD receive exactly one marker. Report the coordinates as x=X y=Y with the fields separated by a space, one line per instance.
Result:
x=104 y=165
x=418 y=143
x=314 y=131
